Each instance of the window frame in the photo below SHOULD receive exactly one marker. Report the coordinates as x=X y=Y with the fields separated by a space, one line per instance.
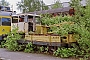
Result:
x=2 y=21
x=14 y=19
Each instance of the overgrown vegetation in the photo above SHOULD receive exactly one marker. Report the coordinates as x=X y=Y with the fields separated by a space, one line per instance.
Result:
x=2 y=44
x=80 y=27
x=11 y=40
x=65 y=52
x=29 y=48
x=78 y=24
x=41 y=49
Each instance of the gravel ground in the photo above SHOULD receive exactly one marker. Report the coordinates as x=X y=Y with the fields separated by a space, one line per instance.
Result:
x=10 y=55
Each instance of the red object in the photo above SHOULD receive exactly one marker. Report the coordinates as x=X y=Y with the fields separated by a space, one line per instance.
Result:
x=71 y=12
x=20 y=20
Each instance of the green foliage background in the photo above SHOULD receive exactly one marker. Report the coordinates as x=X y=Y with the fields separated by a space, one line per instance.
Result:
x=81 y=27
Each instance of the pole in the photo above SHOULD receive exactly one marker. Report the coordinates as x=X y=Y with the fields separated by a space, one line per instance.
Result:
x=34 y=22
x=12 y=8
x=42 y=5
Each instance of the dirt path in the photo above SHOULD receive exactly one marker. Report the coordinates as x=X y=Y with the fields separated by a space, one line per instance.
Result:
x=8 y=55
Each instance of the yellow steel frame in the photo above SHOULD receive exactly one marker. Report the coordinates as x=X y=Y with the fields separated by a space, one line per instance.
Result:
x=43 y=38
x=50 y=38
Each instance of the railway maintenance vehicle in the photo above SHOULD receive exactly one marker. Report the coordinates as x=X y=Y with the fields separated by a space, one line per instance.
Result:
x=37 y=33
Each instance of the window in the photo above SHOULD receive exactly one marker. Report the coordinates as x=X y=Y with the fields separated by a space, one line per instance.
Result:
x=37 y=20
x=6 y=21
x=8 y=8
x=1 y=7
x=14 y=20
x=21 y=19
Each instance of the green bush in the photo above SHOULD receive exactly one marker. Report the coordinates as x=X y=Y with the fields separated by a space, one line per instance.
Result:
x=2 y=45
x=11 y=40
x=46 y=49
x=29 y=48
x=65 y=52
x=41 y=49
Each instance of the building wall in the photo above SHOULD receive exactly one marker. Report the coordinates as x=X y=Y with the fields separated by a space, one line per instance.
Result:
x=65 y=4
x=83 y=2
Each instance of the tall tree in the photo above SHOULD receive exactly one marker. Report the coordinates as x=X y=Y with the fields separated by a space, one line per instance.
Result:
x=57 y=4
x=31 y=5
x=20 y=5
x=4 y=3
x=43 y=6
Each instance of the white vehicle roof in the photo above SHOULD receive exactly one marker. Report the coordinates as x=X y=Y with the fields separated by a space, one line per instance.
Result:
x=15 y=15
x=27 y=14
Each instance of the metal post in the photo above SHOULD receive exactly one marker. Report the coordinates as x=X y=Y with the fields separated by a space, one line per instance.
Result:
x=42 y=5
x=34 y=22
